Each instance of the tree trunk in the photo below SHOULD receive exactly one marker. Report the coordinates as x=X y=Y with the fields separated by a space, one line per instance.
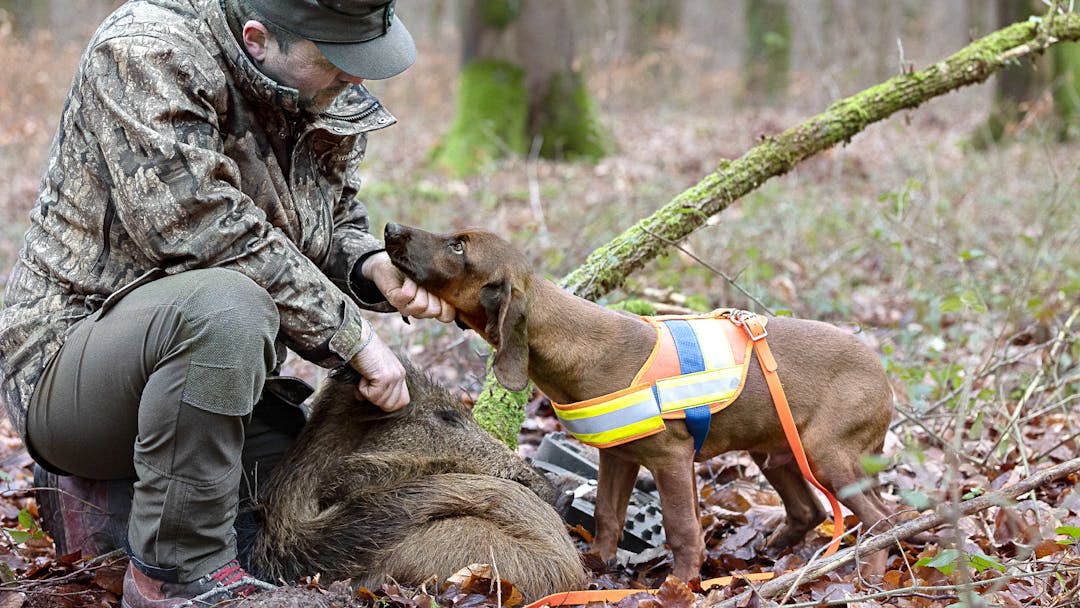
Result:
x=519 y=83
x=500 y=411
x=1016 y=84
x=648 y=20
x=609 y=265
x=767 y=62
x=1066 y=86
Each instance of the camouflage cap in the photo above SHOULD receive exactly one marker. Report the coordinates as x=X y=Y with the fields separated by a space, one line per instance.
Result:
x=363 y=38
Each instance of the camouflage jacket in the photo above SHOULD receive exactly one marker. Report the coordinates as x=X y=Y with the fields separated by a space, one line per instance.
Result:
x=175 y=152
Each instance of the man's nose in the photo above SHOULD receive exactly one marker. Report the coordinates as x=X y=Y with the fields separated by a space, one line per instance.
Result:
x=349 y=78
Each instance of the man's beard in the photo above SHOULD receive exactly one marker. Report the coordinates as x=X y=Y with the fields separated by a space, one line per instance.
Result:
x=323 y=98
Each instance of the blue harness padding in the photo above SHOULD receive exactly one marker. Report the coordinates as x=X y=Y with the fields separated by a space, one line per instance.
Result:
x=691 y=361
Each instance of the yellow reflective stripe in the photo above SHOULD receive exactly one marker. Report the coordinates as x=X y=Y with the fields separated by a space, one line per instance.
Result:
x=615 y=436
x=641 y=397
x=709 y=386
x=626 y=416
x=713 y=342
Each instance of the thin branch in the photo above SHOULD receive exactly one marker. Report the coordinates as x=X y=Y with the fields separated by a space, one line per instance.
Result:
x=712 y=269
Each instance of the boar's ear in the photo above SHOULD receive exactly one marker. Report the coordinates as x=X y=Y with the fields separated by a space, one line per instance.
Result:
x=506 y=329
x=338 y=394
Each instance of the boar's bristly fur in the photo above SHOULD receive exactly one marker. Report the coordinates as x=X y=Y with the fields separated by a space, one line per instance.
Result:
x=412 y=495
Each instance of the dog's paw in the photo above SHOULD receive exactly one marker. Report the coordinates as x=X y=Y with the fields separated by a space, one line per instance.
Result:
x=784 y=537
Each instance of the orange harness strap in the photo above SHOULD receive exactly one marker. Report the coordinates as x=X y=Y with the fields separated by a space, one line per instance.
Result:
x=756 y=329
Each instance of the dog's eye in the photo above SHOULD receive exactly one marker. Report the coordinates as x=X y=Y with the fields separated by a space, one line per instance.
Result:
x=457 y=247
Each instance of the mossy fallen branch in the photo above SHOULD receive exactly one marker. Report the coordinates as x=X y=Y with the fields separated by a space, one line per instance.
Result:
x=608 y=266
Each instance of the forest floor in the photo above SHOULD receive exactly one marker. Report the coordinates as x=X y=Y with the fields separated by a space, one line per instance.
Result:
x=960 y=267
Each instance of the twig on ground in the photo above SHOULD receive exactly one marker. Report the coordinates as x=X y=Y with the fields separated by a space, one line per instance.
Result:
x=1012 y=427
x=781 y=584
x=101 y=561
x=924 y=591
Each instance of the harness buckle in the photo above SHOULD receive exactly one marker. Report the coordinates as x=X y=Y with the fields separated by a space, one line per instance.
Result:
x=747 y=320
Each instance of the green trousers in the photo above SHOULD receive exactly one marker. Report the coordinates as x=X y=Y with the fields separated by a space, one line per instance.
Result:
x=159 y=387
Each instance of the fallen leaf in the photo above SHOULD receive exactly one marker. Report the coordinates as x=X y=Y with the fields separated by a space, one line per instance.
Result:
x=111 y=577
x=480 y=579
x=675 y=594
x=893 y=579
x=1047 y=547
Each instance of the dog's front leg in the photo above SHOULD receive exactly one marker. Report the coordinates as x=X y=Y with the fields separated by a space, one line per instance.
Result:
x=682 y=523
x=614 y=484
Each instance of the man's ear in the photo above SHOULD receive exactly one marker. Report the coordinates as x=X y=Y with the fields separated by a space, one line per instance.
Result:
x=507 y=330
x=256 y=39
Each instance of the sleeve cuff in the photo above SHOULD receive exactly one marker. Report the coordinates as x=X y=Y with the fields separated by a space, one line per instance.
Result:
x=364 y=291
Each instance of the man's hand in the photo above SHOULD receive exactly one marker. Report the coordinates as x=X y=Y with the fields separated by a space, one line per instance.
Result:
x=382 y=376
x=403 y=293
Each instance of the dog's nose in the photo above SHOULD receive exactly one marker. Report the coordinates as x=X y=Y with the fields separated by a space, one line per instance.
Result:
x=392 y=230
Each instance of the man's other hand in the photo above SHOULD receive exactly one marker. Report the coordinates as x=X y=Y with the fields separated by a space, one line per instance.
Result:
x=382 y=379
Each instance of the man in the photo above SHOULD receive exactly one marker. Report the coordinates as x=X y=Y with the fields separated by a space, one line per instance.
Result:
x=196 y=216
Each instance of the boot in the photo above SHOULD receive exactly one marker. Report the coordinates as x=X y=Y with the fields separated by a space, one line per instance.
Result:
x=79 y=514
x=227 y=582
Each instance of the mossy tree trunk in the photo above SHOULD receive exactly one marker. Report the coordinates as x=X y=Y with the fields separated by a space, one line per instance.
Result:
x=519 y=86
x=608 y=266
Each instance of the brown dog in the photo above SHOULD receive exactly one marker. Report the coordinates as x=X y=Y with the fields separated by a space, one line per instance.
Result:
x=575 y=350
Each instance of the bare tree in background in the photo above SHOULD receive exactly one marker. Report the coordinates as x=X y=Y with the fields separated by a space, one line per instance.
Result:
x=767 y=63
x=1066 y=87
x=1049 y=94
x=649 y=19
x=520 y=87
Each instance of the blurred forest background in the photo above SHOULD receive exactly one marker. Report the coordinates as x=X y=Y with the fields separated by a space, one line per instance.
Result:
x=946 y=235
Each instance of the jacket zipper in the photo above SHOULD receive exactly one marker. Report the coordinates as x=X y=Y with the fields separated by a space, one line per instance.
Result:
x=362 y=114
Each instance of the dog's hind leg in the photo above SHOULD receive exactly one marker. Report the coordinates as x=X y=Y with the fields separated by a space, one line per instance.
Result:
x=841 y=473
x=614 y=484
x=801 y=505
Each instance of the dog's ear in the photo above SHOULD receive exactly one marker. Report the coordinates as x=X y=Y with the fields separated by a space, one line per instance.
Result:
x=506 y=329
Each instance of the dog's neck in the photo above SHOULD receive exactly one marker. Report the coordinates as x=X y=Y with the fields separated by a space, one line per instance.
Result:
x=578 y=349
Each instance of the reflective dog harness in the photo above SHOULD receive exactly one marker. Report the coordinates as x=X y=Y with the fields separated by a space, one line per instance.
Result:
x=697 y=367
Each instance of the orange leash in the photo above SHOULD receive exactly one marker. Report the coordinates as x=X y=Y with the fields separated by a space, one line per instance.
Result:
x=574 y=598
x=753 y=325
x=756 y=329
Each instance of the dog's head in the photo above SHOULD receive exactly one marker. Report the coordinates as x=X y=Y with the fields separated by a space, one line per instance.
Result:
x=483 y=276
